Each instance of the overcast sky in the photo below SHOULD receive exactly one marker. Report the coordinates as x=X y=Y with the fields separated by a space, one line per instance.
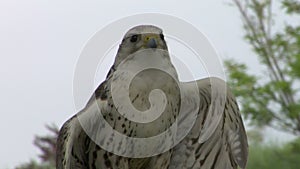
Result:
x=42 y=40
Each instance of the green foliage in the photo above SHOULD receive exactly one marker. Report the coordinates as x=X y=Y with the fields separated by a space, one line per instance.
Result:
x=34 y=165
x=274 y=156
x=292 y=6
x=255 y=136
x=47 y=145
x=272 y=99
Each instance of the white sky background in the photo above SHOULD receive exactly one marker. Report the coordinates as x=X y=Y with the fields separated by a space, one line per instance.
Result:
x=40 y=42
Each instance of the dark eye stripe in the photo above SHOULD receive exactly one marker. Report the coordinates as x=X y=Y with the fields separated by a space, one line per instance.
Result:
x=162 y=37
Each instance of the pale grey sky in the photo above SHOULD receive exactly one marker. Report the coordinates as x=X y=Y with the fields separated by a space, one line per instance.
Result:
x=42 y=40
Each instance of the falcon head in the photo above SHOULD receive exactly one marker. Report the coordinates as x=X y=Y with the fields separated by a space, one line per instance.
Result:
x=139 y=38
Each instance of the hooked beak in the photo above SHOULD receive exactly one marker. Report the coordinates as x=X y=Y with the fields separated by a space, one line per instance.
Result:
x=151 y=41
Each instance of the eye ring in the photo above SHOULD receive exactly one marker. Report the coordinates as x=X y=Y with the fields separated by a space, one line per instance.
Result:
x=133 y=38
x=162 y=37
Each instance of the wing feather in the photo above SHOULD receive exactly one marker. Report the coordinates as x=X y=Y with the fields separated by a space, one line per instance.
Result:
x=218 y=139
x=71 y=146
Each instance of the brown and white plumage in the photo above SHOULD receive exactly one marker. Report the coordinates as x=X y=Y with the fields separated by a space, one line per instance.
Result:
x=227 y=145
x=221 y=142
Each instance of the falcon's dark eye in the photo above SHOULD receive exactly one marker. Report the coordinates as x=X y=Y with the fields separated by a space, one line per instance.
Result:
x=133 y=38
x=162 y=36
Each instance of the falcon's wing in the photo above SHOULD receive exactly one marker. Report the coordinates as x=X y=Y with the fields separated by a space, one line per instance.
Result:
x=217 y=139
x=71 y=145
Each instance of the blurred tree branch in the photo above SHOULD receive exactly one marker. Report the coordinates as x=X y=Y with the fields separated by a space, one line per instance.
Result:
x=47 y=145
x=272 y=100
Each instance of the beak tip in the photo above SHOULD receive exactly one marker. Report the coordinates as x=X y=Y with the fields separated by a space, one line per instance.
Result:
x=152 y=43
